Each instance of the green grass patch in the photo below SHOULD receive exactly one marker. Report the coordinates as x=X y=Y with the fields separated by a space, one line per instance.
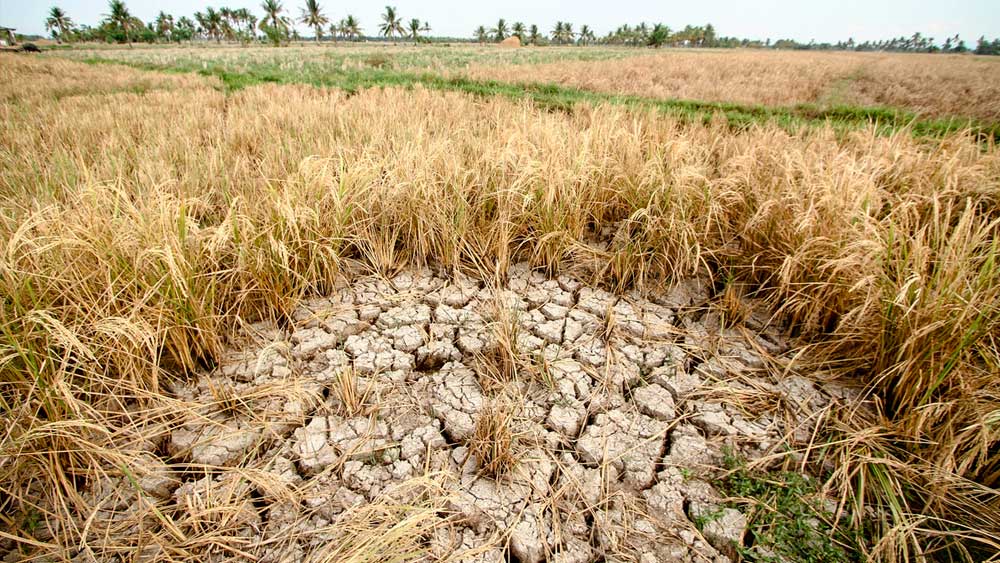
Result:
x=788 y=518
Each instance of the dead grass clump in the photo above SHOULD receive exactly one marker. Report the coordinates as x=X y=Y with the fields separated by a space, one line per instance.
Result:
x=500 y=363
x=378 y=60
x=732 y=309
x=493 y=442
x=351 y=399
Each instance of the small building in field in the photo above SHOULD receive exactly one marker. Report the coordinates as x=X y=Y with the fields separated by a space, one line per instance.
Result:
x=7 y=36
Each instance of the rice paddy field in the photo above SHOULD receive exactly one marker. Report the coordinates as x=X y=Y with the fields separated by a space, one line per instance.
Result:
x=928 y=86
x=346 y=54
x=464 y=303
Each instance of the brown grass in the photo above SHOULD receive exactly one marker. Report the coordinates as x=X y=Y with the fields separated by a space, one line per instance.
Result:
x=139 y=230
x=930 y=85
x=29 y=78
x=493 y=443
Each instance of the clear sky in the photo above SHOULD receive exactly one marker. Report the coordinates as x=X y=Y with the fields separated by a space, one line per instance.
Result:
x=760 y=19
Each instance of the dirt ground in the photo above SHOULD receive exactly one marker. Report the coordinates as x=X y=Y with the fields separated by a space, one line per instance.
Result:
x=610 y=419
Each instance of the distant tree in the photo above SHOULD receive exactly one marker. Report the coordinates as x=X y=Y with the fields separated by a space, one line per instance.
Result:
x=228 y=23
x=275 y=34
x=213 y=24
x=659 y=36
x=246 y=22
x=391 y=23
x=481 y=35
x=59 y=23
x=533 y=35
x=709 y=39
x=313 y=16
x=557 y=32
x=414 y=27
x=987 y=47
x=272 y=14
x=274 y=25
x=164 y=25
x=352 y=27
x=562 y=33
x=518 y=30
x=202 y=23
x=586 y=35
x=119 y=17
x=640 y=35
x=500 y=31
x=184 y=30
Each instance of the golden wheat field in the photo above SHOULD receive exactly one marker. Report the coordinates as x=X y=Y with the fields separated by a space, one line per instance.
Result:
x=947 y=86
x=182 y=263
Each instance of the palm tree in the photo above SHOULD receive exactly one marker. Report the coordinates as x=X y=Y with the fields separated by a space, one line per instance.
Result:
x=481 y=34
x=119 y=15
x=414 y=29
x=586 y=35
x=352 y=27
x=272 y=14
x=658 y=36
x=641 y=33
x=500 y=31
x=164 y=25
x=248 y=20
x=59 y=20
x=183 y=30
x=274 y=25
x=709 y=31
x=533 y=35
x=557 y=32
x=227 y=18
x=202 y=22
x=518 y=30
x=213 y=24
x=391 y=24
x=425 y=28
x=312 y=16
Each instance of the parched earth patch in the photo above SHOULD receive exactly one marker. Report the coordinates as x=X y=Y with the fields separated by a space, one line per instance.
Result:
x=614 y=416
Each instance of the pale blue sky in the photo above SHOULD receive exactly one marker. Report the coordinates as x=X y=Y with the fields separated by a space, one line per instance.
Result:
x=797 y=19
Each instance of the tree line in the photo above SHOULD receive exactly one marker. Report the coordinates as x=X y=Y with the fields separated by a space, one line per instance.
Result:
x=118 y=25
x=661 y=35
x=277 y=26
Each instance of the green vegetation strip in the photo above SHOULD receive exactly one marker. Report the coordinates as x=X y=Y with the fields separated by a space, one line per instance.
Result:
x=788 y=518
x=552 y=96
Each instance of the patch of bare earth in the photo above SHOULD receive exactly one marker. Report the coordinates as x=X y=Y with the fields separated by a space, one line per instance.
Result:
x=615 y=412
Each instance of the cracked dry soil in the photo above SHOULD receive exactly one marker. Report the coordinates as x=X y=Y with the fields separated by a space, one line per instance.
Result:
x=620 y=410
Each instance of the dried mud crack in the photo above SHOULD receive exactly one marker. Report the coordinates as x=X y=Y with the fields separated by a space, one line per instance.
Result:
x=369 y=411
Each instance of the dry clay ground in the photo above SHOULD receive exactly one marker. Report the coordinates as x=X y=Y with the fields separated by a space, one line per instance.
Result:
x=385 y=395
